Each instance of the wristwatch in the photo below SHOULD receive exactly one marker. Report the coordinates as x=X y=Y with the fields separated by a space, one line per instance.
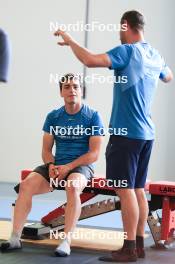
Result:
x=49 y=163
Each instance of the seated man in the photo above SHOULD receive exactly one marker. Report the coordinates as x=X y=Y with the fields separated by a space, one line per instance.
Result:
x=78 y=139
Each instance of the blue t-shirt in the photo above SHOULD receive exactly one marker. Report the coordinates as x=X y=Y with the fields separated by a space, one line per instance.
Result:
x=72 y=132
x=4 y=56
x=137 y=68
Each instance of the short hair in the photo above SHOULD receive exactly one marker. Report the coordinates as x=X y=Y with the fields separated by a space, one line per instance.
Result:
x=67 y=77
x=135 y=20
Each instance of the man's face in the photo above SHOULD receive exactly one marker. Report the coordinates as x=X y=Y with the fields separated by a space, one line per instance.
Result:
x=71 y=91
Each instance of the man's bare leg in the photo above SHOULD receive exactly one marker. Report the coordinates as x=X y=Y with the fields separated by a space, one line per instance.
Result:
x=73 y=207
x=143 y=211
x=32 y=185
x=130 y=216
x=143 y=215
x=130 y=212
x=75 y=184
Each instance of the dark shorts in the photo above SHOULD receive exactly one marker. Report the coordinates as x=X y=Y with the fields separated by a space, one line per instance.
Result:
x=87 y=171
x=127 y=160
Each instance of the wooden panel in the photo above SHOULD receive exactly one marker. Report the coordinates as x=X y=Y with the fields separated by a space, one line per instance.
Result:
x=102 y=239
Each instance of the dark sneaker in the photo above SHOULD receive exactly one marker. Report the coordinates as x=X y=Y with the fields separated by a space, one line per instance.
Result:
x=121 y=255
x=6 y=247
x=140 y=252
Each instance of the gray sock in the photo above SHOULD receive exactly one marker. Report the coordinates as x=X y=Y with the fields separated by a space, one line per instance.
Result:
x=15 y=240
x=63 y=249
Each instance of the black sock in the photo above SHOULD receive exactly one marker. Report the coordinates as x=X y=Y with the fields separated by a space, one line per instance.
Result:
x=131 y=244
x=139 y=241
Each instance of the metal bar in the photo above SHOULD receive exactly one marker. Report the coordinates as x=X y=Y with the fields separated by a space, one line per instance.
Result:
x=85 y=45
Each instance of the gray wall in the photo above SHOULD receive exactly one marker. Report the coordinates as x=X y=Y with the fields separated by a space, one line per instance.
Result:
x=29 y=95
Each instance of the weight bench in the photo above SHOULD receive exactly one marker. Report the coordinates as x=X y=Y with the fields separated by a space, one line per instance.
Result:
x=161 y=195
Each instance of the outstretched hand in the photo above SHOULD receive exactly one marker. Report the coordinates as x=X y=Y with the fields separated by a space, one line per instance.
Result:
x=65 y=37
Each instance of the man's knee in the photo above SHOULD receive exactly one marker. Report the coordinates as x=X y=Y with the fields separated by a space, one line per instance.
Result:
x=28 y=186
x=140 y=193
x=73 y=190
x=124 y=192
x=141 y=198
x=75 y=184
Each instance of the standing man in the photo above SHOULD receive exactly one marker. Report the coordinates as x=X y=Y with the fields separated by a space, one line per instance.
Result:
x=128 y=156
x=71 y=128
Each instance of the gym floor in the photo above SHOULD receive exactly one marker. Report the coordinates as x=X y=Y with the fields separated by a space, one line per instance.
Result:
x=44 y=254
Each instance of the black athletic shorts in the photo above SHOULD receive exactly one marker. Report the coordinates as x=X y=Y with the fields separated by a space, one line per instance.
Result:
x=127 y=161
x=86 y=170
x=43 y=170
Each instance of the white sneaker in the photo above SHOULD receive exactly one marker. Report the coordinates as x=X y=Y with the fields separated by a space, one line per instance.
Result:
x=63 y=250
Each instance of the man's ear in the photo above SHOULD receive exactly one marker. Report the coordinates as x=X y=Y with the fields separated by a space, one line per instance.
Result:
x=124 y=25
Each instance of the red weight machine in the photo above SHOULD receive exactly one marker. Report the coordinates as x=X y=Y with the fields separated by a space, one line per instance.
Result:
x=161 y=195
